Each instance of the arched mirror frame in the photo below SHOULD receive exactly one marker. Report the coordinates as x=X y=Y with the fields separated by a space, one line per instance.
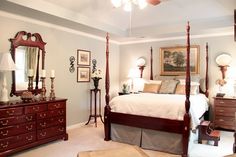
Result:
x=23 y=38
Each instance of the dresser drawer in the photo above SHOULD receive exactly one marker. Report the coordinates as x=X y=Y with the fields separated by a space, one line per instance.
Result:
x=225 y=102
x=222 y=120
x=50 y=132
x=17 y=129
x=225 y=111
x=52 y=113
x=56 y=105
x=16 y=120
x=50 y=122
x=16 y=141
x=11 y=112
x=35 y=108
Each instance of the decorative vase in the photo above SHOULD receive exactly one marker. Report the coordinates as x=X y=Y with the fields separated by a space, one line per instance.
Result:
x=96 y=82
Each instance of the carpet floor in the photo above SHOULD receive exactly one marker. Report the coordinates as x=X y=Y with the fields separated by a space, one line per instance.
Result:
x=91 y=138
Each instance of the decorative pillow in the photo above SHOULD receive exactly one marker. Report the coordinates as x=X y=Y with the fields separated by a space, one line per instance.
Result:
x=165 y=78
x=151 y=88
x=182 y=82
x=168 y=86
x=180 y=89
x=194 y=78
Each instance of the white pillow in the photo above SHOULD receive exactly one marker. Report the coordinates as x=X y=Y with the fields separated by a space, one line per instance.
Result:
x=182 y=82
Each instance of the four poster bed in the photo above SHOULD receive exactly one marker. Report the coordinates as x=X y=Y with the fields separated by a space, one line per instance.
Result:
x=180 y=126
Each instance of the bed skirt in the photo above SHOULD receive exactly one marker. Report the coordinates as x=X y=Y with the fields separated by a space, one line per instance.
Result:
x=148 y=139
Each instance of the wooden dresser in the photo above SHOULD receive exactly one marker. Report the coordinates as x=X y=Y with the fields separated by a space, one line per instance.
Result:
x=224 y=116
x=24 y=125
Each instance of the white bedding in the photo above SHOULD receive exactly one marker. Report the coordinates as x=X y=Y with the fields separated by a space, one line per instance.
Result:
x=170 y=106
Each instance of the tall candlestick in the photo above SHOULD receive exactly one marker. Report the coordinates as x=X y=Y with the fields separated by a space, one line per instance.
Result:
x=30 y=72
x=53 y=73
x=43 y=90
x=43 y=73
x=52 y=93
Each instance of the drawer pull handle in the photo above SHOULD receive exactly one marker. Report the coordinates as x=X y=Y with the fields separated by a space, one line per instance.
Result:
x=4 y=133
x=43 y=134
x=221 y=120
x=36 y=108
x=57 y=105
x=29 y=118
x=61 y=120
x=222 y=102
x=221 y=110
x=43 y=124
x=61 y=129
x=29 y=138
x=61 y=112
x=10 y=112
x=4 y=145
x=29 y=127
x=42 y=115
x=4 y=123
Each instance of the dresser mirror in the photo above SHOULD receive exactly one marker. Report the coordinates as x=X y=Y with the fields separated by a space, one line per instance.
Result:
x=28 y=52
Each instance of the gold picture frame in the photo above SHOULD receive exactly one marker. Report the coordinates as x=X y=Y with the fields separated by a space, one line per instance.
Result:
x=83 y=57
x=83 y=74
x=173 y=60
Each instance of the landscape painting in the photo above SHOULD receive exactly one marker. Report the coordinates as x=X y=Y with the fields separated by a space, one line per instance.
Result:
x=173 y=60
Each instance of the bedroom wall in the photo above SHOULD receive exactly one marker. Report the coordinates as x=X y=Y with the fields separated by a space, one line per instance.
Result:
x=61 y=44
x=129 y=54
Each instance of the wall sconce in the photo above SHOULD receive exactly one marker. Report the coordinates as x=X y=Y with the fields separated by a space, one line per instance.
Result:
x=223 y=62
x=141 y=62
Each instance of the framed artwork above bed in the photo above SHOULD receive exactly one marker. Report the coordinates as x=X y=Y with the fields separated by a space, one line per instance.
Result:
x=173 y=60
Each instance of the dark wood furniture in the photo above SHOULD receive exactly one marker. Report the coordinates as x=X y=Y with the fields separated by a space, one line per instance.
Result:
x=27 y=40
x=121 y=93
x=93 y=94
x=174 y=126
x=25 y=125
x=224 y=116
x=207 y=133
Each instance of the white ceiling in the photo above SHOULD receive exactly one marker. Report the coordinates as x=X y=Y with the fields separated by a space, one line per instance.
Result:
x=166 y=20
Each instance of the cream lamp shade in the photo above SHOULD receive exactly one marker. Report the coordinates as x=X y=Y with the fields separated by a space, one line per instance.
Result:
x=133 y=73
x=6 y=64
x=141 y=62
x=223 y=60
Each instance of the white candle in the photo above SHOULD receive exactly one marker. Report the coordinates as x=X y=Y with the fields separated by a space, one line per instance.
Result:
x=52 y=73
x=43 y=73
x=30 y=72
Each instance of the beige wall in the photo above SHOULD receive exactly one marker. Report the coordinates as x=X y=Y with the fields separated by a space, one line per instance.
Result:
x=217 y=45
x=60 y=46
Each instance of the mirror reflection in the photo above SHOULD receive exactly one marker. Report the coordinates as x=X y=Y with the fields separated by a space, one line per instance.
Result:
x=26 y=59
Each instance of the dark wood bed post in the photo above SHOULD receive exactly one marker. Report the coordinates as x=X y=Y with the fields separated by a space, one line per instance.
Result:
x=186 y=127
x=107 y=109
x=151 y=70
x=207 y=77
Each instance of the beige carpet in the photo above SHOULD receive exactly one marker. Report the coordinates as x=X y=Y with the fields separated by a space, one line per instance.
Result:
x=89 y=138
x=126 y=151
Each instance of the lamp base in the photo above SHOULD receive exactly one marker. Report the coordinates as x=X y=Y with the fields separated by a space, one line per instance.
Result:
x=4 y=96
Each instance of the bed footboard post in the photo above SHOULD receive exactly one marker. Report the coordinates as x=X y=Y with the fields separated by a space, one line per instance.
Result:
x=186 y=125
x=107 y=109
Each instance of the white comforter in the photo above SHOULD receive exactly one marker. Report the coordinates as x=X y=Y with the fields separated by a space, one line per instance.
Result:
x=170 y=106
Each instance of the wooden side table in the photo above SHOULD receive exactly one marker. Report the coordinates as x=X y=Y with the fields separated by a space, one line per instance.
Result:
x=95 y=115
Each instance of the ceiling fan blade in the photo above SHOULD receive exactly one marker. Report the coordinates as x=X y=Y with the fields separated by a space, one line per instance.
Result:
x=154 y=2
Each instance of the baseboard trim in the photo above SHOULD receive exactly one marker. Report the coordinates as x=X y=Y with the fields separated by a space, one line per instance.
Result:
x=74 y=126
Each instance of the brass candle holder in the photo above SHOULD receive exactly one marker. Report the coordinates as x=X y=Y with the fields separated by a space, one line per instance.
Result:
x=30 y=83
x=43 y=91
x=52 y=93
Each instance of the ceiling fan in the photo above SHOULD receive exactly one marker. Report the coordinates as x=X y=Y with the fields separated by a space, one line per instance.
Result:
x=154 y=2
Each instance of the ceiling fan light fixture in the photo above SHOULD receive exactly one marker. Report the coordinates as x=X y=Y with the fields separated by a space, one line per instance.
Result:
x=128 y=6
x=142 y=4
x=116 y=3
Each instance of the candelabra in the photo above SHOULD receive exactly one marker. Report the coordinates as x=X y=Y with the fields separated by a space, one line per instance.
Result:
x=52 y=93
x=43 y=91
x=30 y=83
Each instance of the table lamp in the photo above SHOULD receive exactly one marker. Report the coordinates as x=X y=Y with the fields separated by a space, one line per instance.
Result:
x=133 y=73
x=6 y=64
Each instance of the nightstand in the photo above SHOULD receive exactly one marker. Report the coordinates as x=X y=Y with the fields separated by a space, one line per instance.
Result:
x=224 y=116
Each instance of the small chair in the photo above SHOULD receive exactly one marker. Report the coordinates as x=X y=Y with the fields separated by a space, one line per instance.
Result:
x=207 y=133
